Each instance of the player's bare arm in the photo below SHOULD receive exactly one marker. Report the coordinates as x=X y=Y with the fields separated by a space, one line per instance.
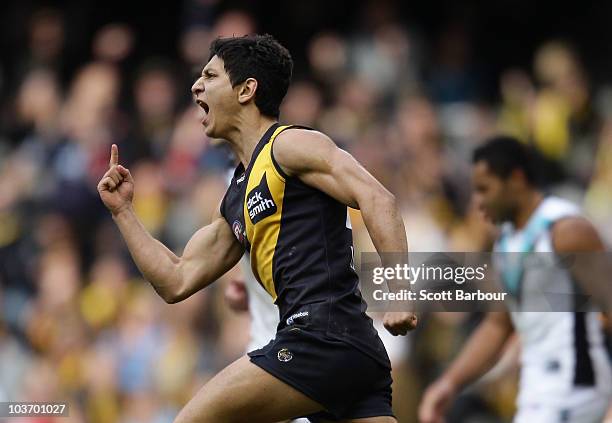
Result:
x=591 y=271
x=211 y=252
x=575 y=235
x=314 y=158
x=478 y=356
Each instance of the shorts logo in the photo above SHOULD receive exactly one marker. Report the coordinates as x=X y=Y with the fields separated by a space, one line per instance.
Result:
x=284 y=355
x=259 y=201
x=299 y=315
x=237 y=229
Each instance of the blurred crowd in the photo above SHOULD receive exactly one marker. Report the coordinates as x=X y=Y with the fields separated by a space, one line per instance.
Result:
x=78 y=323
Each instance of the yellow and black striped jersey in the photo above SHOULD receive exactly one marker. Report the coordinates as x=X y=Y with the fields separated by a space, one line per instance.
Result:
x=300 y=244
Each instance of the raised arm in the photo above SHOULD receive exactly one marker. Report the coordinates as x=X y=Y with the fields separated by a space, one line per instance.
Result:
x=211 y=252
x=314 y=158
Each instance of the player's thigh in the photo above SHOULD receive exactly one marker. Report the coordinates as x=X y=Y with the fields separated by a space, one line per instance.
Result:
x=244 y=392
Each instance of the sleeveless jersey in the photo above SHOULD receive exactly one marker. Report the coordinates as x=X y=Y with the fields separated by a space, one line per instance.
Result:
x=563 y=353
x=300 y=246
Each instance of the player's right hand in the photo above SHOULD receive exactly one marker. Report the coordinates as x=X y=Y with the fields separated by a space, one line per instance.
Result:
x=435 y=402
x=116 y=188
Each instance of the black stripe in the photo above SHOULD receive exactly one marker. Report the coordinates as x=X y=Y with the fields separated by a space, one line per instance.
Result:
x=274 y=162
x=260 y=145
x=583 y=370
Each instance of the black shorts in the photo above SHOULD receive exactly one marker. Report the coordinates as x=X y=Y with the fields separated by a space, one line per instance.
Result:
x=344 y=380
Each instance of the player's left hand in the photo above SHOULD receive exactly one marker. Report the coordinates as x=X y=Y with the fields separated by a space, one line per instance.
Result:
x=400 y=323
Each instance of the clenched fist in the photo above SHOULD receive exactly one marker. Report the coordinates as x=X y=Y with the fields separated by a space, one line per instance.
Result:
x=116 y=188
x=399 y=323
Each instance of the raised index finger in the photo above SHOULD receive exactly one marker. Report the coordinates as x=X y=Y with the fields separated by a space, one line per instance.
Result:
x=114 y=157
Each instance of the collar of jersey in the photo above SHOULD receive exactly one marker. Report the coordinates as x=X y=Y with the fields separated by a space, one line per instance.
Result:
x=260 y=144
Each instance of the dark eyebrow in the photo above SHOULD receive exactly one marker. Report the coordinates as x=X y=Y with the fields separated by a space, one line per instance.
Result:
x=207 y=72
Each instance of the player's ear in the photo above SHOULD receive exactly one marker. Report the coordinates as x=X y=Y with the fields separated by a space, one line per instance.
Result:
x=247 y=90
x=517 y=178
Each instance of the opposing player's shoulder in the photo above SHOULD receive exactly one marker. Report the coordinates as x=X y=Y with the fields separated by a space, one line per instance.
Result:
x=575 y=234
x=297 y=150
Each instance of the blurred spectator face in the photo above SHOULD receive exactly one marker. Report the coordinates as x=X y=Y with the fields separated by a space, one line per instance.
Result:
x=41 y=382
x=155 y=94
x=39 y=99
x=139 y=314
x=417 y=122
x=234 y=23
x=110 y=270
x=554 y=63
x=96 y=86
x=327 y=55
x=231 y=23
x=100 y=370
x=393 y=41
x=59 y=277
x=46 y=35
x=302 y=105
x=18 y=179
x=113 y=43
x=92 y=99
x=358 y=95
x=187 y=135
x=558 y=67
x=191 y=44
x=141 y=407
x=52 y=230
x=100 y=300
x=382 y=60
x=492 y=195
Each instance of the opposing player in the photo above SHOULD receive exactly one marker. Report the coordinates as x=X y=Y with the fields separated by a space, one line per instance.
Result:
x=287 y=206
x=565 y=371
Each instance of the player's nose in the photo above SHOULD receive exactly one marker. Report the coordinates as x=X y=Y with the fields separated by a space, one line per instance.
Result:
x=197 y=87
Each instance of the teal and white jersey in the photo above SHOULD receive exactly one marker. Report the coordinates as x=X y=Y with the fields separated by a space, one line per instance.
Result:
x=563 y=353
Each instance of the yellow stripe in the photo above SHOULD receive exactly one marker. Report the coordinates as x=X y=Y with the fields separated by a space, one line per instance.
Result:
x=263 y=236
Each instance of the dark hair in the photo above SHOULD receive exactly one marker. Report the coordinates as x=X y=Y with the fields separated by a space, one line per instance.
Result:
x=260 y=57
x=503 y=154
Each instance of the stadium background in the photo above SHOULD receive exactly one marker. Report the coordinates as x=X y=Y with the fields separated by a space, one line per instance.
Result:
x=409 y=88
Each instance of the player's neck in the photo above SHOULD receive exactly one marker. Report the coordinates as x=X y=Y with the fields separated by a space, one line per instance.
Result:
x=528 y=206
x=245 y=136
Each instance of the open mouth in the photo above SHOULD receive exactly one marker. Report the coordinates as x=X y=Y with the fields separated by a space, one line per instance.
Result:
x=203 y=105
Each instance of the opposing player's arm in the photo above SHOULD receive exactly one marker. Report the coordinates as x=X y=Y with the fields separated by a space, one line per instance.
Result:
x=479 y=354
x=211 y=251
x=576 y=235
x=577 y=238
x=317 y=161
x=482 y=349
